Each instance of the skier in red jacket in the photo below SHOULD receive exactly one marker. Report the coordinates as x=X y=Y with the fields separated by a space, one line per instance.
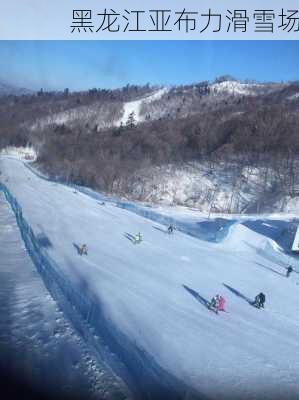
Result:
x=221 y=303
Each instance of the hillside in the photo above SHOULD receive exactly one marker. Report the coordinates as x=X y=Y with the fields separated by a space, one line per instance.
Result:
x=11 y=90
x=217 y=136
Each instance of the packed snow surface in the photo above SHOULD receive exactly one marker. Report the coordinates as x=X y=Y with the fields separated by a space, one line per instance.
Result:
x=37 y=343
x=155 y=293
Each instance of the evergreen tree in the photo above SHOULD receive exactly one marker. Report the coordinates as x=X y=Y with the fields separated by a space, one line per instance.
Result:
x=131 y=121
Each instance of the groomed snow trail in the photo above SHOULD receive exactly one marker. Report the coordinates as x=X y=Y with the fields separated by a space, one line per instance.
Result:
x=135 y=106
x=148 y=300
x=37 y=344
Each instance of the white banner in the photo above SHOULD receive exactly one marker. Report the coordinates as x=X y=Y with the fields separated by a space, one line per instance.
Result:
x=149 y=20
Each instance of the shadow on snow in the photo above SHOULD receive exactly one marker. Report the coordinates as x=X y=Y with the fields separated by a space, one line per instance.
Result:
x=239 y=294
x=271 y=269
x=282 y=232
x=160 y=229
x=130 y=237
x=197 y=296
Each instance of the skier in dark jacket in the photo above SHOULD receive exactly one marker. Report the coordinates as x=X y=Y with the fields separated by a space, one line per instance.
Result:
x=262 y=299
x=170 y=229
x=83 y=250
x=259 y=300
x=214 y=303
x=289 y=270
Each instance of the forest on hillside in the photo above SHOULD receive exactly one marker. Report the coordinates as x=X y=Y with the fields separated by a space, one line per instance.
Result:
x=186 y=124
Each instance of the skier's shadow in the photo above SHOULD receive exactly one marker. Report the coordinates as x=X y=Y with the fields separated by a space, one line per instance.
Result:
x=43 y=241
x=160 y=229
x=197 y=296
x=239 y=294
x=130 y=237
x=77 y=247
x=271 y=269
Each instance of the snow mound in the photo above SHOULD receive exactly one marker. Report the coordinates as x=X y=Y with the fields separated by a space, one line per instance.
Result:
x=241 y=237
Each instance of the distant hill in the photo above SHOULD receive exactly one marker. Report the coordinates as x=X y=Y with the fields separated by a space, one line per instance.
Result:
x=7 y=89
x=167 y=144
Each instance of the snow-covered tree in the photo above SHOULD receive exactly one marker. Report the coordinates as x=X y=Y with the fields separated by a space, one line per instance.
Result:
x=131 y=121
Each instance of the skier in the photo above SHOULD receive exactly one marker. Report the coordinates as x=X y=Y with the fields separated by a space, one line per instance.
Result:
x=83 y=250
x=170 y=229
x=214 y=304
x=259 y=300
x=221 y=303
x=289 y=270
x=256 y=302
x=262 y=299
x=138 y=238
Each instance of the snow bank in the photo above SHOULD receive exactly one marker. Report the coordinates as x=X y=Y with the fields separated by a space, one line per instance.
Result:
x=241 y=237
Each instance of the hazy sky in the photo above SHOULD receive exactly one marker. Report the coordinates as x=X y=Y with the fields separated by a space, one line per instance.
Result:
x=110 y=64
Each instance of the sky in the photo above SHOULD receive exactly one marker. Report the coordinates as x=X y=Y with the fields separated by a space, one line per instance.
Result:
x=79 y=65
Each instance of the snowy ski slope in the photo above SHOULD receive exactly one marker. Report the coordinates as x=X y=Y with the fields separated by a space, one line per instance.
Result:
x=38 y=345
x=148 y=300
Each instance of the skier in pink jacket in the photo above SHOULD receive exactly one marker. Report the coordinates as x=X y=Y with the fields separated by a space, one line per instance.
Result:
x=221 y=303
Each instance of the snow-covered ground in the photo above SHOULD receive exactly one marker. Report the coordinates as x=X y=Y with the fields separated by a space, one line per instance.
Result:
x=225 y=188
x=293 y=97
x=230 y=87
x=148 y=301
x=22 y=153
x=37 y=343
x=233 y=87
x=135 y=106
